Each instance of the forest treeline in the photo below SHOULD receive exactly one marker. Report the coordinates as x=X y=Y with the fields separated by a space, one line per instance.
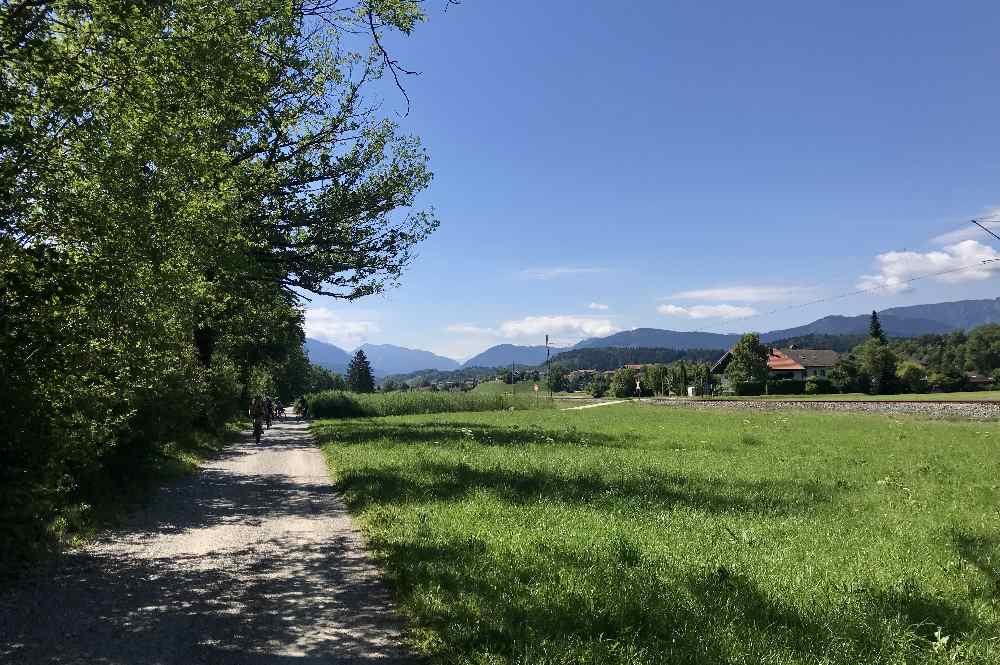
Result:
x=174 y=176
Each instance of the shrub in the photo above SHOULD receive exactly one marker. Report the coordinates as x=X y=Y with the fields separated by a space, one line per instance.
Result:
x=598 y=386
x=748 y=388
x=786 y=387
x=336 y=404
x=816 y=385
x=912 y=377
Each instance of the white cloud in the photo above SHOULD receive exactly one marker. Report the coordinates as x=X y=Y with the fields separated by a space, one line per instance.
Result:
x=322 y=324
x=597 y=305
x=558 y=271
x=744 y=293
x=563 y=327
x=707 y=311
x=896 y=268
x=469 y=329
x=969 y=231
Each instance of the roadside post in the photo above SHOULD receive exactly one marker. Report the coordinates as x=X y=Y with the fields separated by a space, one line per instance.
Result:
x=536 y=395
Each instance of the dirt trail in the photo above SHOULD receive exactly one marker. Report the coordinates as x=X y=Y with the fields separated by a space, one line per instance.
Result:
x=253 y=561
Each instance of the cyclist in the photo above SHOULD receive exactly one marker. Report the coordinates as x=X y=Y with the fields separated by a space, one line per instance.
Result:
x=279 y=410
x=257 y=415
x=268 y=411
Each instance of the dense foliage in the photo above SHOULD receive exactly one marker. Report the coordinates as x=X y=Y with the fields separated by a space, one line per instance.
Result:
x=337 y=404
x=748 y=361
x=611 y=358
x=172 y=176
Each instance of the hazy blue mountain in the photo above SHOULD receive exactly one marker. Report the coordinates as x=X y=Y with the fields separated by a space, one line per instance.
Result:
x=894 y=326
x=389 y=359
x=326 y=355
x=655 y=338
x=962 y=314
x=502 y=355
x=909 y=321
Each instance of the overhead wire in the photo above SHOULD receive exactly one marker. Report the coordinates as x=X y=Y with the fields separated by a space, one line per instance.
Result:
x=874 y=289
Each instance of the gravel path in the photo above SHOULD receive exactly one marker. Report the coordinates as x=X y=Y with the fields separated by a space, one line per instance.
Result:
x=253 y=561
x=943 y=409
x=592 y=406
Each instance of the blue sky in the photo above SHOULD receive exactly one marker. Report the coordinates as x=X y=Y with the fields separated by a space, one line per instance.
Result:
x=602 y=166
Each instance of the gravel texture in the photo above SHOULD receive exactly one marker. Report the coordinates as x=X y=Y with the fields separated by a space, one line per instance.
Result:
x=253 y=561
x=966 y=410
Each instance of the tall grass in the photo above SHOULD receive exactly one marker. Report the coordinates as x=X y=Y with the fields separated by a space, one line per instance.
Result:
x=337 y=404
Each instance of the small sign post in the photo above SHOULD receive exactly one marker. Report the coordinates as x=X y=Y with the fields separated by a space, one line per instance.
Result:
x=536 y=394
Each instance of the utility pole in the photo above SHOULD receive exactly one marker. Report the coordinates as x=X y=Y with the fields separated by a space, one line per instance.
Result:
x=548 y=377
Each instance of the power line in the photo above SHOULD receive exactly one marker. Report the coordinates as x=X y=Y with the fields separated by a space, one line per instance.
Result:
x=977 y=223
x=874 y=289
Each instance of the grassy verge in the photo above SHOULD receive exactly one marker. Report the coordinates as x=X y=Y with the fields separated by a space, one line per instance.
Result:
x=336 y=404
x=978 y=395
x=640 y=535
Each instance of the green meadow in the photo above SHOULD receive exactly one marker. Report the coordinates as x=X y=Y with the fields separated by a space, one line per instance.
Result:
x=638 y=534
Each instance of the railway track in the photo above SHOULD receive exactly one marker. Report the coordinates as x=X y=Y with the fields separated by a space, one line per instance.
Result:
x=965 y=409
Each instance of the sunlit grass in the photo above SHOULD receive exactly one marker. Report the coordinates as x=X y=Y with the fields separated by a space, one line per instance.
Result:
x=337 y=404
x=633 y=534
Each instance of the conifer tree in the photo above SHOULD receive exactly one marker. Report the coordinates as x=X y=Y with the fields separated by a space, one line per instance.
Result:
x=359 y=374
x=875 y=328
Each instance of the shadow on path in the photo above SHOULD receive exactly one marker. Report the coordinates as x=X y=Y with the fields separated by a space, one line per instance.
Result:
x=252 y=561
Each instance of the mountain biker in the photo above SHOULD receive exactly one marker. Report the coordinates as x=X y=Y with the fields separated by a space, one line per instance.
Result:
x=268 y=411
x=256 y=413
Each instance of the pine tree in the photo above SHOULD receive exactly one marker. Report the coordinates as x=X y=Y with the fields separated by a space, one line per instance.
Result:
x=359 y=374
x=875 y=328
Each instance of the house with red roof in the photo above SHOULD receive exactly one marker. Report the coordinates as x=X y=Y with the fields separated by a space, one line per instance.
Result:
x=791 y=363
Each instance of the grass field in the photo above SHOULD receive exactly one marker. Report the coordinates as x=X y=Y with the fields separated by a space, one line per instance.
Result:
x=631 y=534
x=494 y=388
x=977 y=395
x=341 y=404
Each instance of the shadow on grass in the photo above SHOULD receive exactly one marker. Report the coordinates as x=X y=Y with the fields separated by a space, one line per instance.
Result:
x=983 y=553
x=440 y=481
x=550 y=606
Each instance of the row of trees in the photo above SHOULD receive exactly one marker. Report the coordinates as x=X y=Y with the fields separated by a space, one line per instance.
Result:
x=654 y=379
x=878 y=365
x=173 y=176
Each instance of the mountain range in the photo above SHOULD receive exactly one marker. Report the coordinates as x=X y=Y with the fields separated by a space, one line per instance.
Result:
x=909 y=321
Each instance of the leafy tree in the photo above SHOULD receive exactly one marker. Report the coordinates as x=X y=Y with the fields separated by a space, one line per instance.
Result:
x=172 y=176
x=359 y=374
x=983 y=348
x=946 y=381
x=389 y=386
x=748 y=361
x=912 y=376
x=598 y=386
x=875 y=328
x=878 y=363
x=655 y=378
x=623 y=382
x=846 y=376
x=556 y=380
